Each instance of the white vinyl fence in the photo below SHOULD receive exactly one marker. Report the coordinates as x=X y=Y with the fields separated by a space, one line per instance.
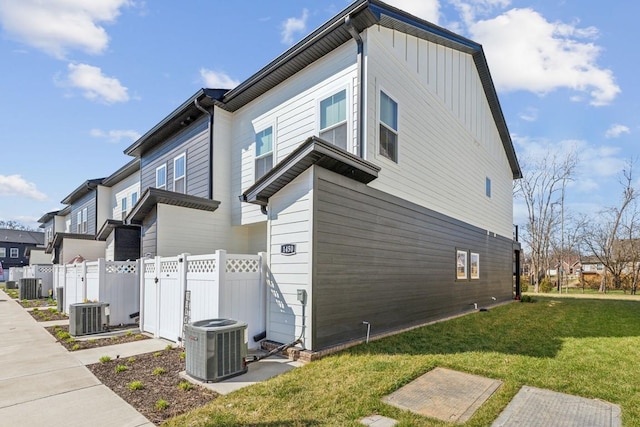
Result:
x=15 y=273
x=187 y=288
x=40 y=271
x=114 y=282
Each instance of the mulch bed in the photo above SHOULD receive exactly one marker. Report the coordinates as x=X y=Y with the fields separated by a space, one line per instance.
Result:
x=47 y=314
x=162 y=395
x=61 y=333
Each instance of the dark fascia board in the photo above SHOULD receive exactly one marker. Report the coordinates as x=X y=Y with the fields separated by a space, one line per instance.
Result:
x=58 y=238
x=122 y=173
x=182 y=116
x=86 y=187
x=314 y=151
x=110 y=225
x=154 y=196
x=47 y=217
x=65 y=211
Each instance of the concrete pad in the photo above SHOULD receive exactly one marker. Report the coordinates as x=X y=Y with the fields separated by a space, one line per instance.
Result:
x=258 y=371
x=91 y=406
x=93 y=355
x=21 y=389
x=378 y=421
x=444 y=394
x=534 y=407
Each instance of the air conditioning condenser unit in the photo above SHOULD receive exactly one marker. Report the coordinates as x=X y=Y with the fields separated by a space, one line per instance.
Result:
x=88 y=318
x=215 y=349
x=30 y=288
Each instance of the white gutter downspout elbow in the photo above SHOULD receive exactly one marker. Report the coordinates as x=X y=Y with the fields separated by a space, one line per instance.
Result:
x=361 y=84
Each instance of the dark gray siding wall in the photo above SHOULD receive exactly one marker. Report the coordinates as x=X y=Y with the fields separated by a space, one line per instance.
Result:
x=149 y=234
x=89 y=202
x=381 y=259
x=126 y=244
x=194 y=141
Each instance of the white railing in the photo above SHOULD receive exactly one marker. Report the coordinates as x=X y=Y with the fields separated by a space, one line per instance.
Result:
x=236 y=291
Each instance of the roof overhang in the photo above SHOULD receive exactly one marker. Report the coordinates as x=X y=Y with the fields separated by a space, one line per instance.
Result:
x=110 y=225
x=47 y=217
x=59 y=238
x=154 y=196
x=122 y=173
x=314 y=151
x=84 y=189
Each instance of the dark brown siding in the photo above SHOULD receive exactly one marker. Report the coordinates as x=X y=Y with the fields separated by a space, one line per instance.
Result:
x=127 y=244
x=149 y=234
x=381 y=259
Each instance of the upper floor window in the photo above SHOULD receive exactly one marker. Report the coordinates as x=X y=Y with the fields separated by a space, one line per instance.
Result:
x=487 y=187
x=79 y=222
x=123 y=206
x=161 y=177
x=264 y=151
x=333 y=119
x=179 y=174
x=388 y=127
x=82 y=221
x=3 y=252
x=134 y=198
x=15 y=252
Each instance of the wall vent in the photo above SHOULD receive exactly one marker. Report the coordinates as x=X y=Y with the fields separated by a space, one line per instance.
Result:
x=88 y=318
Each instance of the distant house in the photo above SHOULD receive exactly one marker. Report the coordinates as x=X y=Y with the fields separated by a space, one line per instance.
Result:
x=14 y=247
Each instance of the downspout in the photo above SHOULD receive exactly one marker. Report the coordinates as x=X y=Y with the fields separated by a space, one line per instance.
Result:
x=210 y=113
x=361 y=80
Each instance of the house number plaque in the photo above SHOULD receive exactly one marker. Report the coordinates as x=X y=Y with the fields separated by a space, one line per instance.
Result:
x=288 y=249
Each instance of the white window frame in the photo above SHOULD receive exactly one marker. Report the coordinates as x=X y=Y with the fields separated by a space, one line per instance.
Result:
x=164 y=174
x=3 y=252
x=85 y=220
x=184 y=176
x=79 y=222
x=14 y=253
x=396 y=132
x=328 y=95
x=134 y=198
x=487 y=187
x=462 y=260
x=474 y=266
x=264 y=155
x=123 y=207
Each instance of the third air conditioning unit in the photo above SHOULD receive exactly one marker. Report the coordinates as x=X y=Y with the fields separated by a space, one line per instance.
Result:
x=215 y=349
x=88 y=318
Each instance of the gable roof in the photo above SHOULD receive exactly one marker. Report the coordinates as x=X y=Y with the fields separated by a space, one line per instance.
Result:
x=362 y=14
x=8 y=235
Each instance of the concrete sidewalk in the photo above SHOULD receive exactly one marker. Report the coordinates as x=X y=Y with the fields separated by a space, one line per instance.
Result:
x=41 y=383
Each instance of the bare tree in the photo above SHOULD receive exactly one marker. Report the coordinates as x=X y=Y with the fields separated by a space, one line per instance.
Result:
x=543 y=189
x=14 y=225
x=604 y=238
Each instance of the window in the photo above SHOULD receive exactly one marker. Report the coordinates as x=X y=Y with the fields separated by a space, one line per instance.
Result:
x=84 y=221
x=14 y=252
x=487 y=187
x=179 y=174
x=124 y=207
x=264 y=151
x=161 y=177
x=388 y=127
x=475 y=266
x=79 y=222
x=134 y=198
x=3 y=252
x=333 y=119
x=461 y=265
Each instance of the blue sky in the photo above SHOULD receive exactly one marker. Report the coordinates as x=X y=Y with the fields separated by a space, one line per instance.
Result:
x=80 y=80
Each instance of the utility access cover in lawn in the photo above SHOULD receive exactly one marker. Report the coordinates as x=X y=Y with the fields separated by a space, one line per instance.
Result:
x=444 y=394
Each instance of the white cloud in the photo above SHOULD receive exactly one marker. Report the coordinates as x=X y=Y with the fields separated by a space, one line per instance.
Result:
x=293 y=26
x=616 y=131
x=429 y=10
x=95 y=85
x=530 y=114
x=115 y=136
x=527 y=52
x=58 y=26
x=471 y=9
x=217 y=80
x=15 y=185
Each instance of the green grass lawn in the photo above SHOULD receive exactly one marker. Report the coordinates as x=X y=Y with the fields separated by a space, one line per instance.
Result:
x=584 y=347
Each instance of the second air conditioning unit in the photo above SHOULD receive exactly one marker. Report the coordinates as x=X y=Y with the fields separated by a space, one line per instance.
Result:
x=88 y=318
x=215 y=349
x=30 y=288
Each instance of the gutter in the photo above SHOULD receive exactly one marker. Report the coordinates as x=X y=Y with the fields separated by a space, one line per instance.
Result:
x=361 y=78
x=210 y=113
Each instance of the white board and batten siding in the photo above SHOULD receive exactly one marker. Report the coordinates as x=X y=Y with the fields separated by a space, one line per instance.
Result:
x=290 y=213
x=292 y=110
x=448 y=143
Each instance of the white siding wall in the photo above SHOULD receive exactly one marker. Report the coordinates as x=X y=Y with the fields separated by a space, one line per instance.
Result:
x=90 y=250
x=292 y=110
x=103 y=206
x=109 y=252
x=122 y=189
x=448 y=141
x=290 y=212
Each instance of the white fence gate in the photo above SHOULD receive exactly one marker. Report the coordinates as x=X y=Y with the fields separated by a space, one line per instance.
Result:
x=15 y=273
x=218 y=285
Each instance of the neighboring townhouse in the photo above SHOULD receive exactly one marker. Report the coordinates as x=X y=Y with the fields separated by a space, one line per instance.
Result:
x=371 y=161
x=122 y=240
x=15 y=246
